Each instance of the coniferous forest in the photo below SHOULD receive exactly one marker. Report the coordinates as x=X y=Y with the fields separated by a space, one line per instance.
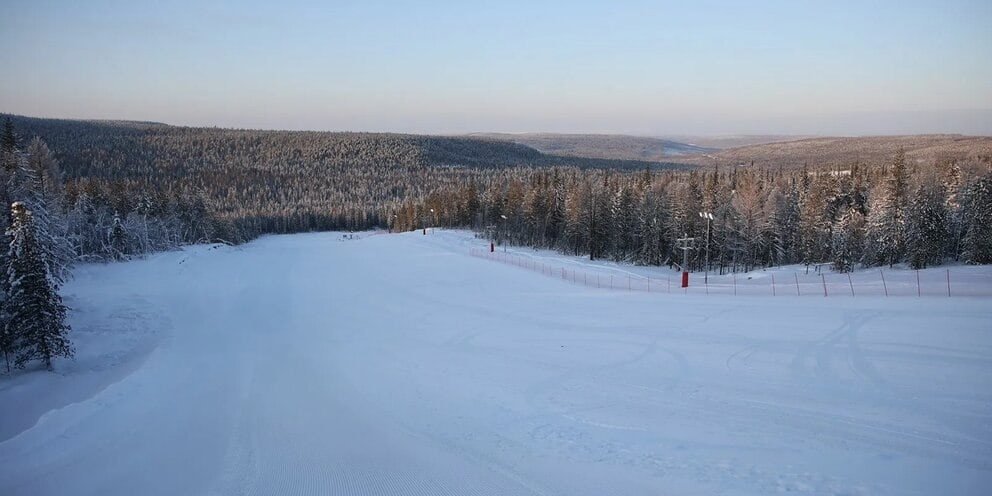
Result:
x=107 y=191
x=864 y=215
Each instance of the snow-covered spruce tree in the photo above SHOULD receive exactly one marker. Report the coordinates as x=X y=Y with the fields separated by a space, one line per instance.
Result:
x=885 y=241
x=601 y=220
x=652 y=220
x=814 y=226
x=8 y=167
x=624 y=215
x=38 y=184
x=977 y=217
x=848 y=240
x=952 y=187
x=37 y=315
x=926 y=227
x=750 y=223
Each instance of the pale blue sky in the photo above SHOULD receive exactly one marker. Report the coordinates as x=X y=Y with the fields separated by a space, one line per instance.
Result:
x=650 y=67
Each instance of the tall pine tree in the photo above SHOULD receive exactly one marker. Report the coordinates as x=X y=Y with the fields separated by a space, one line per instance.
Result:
x=887 y=218
x=977 y=216
x=36 y=313
x=926 y=227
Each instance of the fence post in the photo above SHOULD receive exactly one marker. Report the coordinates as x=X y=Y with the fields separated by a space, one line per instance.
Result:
x=735 y=284
x=773 y=284
x=649 y=284
x=919 y=291
x=628 y=282
x=823 y=278
x=886 y=288
x=797 y=284
x=611 y=281
x=669 y=283
x=849 y=281
x=597 y=280
x=948 y=282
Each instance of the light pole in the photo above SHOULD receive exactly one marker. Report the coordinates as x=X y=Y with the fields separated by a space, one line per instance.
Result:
x=708 y=216
x=503 y=231
x=685 y=244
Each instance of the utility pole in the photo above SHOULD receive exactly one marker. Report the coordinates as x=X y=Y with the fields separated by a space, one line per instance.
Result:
x=685 y=244
x=708 y=216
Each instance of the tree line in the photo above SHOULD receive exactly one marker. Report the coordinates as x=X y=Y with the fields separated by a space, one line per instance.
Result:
x=860 y=216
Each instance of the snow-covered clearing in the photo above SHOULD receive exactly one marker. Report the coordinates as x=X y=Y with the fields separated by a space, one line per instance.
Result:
x=399 y=364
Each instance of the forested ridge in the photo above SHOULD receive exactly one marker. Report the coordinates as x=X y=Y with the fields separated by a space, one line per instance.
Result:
x=282 y=181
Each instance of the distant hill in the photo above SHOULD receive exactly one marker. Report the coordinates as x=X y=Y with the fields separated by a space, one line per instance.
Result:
x=80 y=144
x=829 y=152
x=733 y=141
x=603 y=146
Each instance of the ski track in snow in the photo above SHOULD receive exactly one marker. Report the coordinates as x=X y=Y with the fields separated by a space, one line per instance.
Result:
x=311 y=364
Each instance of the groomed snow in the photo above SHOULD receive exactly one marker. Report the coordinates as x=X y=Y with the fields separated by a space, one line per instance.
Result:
x=400 y=364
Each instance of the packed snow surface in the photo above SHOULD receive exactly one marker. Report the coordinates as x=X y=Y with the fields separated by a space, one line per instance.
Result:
x=400 y=364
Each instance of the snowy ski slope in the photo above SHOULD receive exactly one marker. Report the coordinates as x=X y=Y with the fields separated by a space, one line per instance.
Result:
x=400 y=364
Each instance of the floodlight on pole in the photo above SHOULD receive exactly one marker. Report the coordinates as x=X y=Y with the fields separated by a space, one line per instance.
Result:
x=504 y=229
x=685 y=244
x=708 y=216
